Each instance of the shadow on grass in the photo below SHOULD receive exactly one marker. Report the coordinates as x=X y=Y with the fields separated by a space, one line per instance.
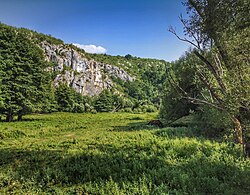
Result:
x=170 y=132
x=47 y=168
x=177 y=132
x=137 y=126
x=23 y=120
x=136 y=118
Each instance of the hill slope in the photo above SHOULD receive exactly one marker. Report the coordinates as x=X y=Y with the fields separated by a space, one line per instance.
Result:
x=135 y=80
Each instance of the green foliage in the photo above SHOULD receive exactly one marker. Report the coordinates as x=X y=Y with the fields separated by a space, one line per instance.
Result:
x=149 y=108
x=25 y=84
x=39 y=37
x=104 y=102
x=135 y=89
x=216 y=73
x=150 y=75
x=181 y=74
x=104 y=153
x=222 y=29
x=128 y=56
x=213 y=123
x=68 y=100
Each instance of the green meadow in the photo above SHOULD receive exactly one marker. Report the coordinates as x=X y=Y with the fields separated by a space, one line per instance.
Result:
x=115 y=153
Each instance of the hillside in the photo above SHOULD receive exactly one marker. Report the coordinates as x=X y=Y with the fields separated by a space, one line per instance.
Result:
x=128 y=82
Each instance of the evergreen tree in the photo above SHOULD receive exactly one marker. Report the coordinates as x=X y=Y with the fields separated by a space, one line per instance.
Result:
x=24 y=79
x=104 y=102
x=65 y=97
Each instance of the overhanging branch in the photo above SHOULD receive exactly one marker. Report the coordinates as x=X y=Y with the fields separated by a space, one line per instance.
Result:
x=212 y=70
x=171 y=29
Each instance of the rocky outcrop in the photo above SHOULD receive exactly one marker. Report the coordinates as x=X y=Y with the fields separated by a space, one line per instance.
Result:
x=87 y=77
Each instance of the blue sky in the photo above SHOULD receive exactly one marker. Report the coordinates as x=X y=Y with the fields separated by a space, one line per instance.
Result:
x=136 y=27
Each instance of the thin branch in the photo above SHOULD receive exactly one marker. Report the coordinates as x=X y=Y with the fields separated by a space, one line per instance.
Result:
x=185 y=95
x=202 y=58
x=218 y=64
x=212 y=70
x=190 y=32
x=171 y=30
x=176 y=86
x=214 y=94
x=199 y=101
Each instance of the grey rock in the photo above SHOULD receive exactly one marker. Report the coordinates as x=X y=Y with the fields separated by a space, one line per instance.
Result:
x=87 y=77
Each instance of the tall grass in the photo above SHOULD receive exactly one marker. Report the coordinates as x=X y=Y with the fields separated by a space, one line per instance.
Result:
x=114 y=153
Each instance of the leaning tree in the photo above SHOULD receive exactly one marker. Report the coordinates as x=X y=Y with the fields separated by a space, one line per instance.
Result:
x=218 y=31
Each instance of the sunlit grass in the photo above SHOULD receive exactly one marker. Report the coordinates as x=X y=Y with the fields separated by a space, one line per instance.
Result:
x=114 y=153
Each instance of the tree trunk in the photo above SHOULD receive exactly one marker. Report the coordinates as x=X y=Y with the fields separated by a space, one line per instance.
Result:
x=9 y=118
x=20 y=117
x=238 y=131
x=247 y=149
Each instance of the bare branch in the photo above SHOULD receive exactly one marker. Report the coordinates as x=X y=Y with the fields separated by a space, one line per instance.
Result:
x=199 y=101
x=214 y=94
x=190 y=32
x=218 y=64
x=185 y=95
x=212 y=70
x=172 y=30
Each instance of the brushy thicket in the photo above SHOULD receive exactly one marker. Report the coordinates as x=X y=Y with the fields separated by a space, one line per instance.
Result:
x=117 y=153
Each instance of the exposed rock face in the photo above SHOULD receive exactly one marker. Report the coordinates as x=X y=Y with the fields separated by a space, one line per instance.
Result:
x=87 y=77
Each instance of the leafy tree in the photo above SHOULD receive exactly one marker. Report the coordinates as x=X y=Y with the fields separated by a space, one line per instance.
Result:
x=65 y=97
x=24 y=80
x=104 y=102
x=128 y=56
x=182 y=77
x=218 y=31
x=136 y=89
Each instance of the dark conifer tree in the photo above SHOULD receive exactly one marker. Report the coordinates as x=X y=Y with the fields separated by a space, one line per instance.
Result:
x=25 y=82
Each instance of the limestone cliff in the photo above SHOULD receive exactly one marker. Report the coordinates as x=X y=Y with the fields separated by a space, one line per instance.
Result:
x=87 y=77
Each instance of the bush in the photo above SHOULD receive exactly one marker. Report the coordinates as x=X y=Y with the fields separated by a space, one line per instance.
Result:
x=149 y=108
x=212 y=122
x=93 y=111
x=127 y=110
x=104 y=102
x=78 y=108
x=88 y=107
x=137 y=110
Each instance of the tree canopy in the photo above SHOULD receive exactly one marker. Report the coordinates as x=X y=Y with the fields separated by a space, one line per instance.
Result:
x=218 y=31
x=24 y=80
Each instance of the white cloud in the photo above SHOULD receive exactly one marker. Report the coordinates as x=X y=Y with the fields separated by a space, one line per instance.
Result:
x=91 y=48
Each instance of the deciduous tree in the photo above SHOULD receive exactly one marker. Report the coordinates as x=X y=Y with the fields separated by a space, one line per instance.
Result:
x=219 y=32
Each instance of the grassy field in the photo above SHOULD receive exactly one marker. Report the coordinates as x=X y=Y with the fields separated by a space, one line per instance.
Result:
x=116 y=153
